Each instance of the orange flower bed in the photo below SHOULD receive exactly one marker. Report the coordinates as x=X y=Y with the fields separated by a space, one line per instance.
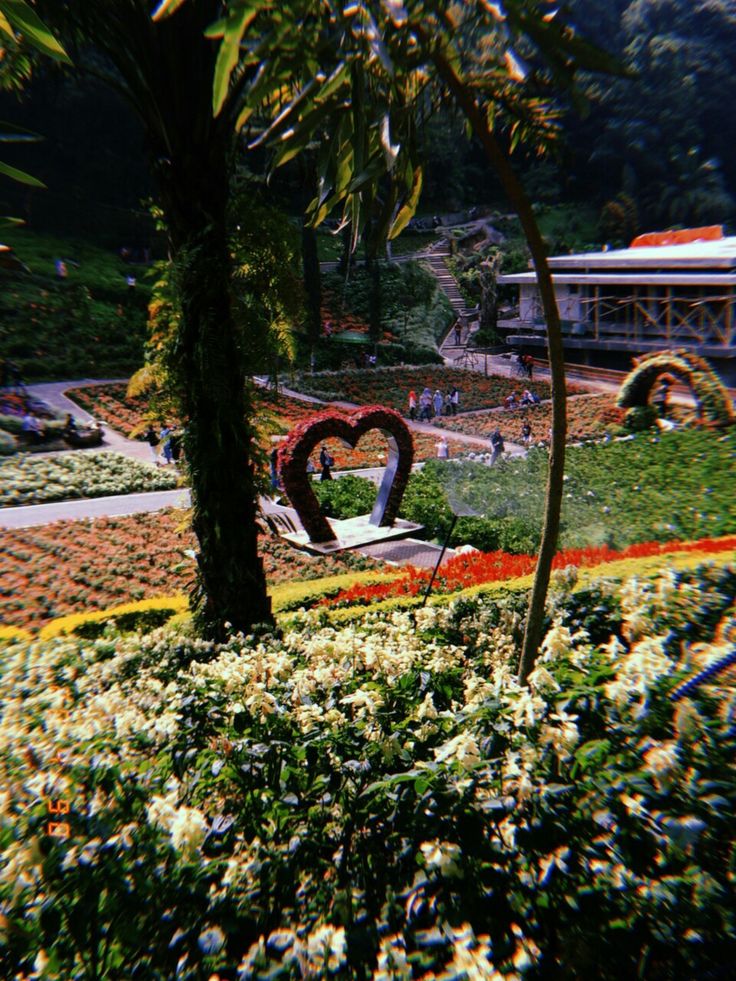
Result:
x=588 y=416
x=478 y=568
x=73 y=566
x=110 y=404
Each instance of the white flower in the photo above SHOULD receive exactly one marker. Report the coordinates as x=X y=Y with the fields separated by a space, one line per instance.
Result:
x=426 y=710
x=326 y=948
x=645 y=664
x=188 y=830
x=392 y=961
x=661 y=758
x=557 y=643
x=462 y=749
x=442 y=856
x=542 y=680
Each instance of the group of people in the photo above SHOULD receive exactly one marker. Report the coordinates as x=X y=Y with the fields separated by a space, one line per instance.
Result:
x=430 y=406
x=34 y=430
x=513 y=401
x=169 y=439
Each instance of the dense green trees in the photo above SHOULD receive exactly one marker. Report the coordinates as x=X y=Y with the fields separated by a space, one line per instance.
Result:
x=166 y=70
x=661 y=136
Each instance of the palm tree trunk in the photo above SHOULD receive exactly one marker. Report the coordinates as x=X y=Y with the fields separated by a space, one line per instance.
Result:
x=215 y=397
x=553 y=503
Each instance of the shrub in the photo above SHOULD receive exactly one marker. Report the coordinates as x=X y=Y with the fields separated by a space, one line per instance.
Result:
x=345 y=497
x=8 y=443
x=640 y=418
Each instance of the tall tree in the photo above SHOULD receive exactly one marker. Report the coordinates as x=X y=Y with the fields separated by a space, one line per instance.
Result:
x=166 y=69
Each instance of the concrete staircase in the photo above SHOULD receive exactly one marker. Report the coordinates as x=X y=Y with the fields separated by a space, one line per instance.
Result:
x=435 y=262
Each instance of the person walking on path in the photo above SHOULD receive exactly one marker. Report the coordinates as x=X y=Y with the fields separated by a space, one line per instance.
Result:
x=497 y=444
x=458 y=335
x=274 y=468
x=165 y=439
x=448 y=404
x=443 y=450
x=325 y=461
x=425 y=405
x=438 y=402
x=454 y=400
x=151 y=437
x=412 y=405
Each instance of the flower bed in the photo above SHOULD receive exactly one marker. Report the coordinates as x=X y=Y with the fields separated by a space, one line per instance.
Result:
x=478 y=568
x=588 y=417
x=72 y=566
x=35 y=480
x=110 y=404
x=381 y=800
x=391 y=386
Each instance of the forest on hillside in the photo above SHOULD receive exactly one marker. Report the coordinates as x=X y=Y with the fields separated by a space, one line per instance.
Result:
x=649 y=149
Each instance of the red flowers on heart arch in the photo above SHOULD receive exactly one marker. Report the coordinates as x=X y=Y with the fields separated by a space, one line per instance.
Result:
x=294 y=453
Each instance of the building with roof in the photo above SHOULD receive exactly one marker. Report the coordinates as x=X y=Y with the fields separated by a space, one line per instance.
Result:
x=667 y=290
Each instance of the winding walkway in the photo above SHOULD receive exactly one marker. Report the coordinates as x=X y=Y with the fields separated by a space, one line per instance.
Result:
x=53 y=393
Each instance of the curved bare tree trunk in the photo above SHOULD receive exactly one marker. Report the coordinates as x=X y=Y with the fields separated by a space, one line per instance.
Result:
x=553 y=504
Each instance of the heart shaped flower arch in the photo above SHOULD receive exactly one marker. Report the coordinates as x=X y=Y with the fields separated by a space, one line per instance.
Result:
x=348 y=428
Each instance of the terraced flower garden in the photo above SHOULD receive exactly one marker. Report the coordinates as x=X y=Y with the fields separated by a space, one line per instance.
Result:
x=73 y=566
x=588 y=417
x=369 y=792
x=390 y=387
x=110 y=403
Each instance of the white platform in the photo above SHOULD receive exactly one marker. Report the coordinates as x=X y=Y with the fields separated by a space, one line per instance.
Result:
x=353 y=533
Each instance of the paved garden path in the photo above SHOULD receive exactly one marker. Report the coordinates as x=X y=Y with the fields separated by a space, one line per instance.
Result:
x=29 y=515
x=428 y=429
x=53 y=394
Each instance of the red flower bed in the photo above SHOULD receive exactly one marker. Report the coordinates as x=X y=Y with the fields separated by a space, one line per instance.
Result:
x=110 y=404
x=72 y=566
x=477 y=568
x=390 y=387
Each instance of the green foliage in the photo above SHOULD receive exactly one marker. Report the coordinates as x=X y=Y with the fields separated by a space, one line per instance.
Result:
x=90 y=323
x=661 y=136
x=8 y=443
x=413 y=308
x=640 y=418
x=675 y=486
x=345 y=497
